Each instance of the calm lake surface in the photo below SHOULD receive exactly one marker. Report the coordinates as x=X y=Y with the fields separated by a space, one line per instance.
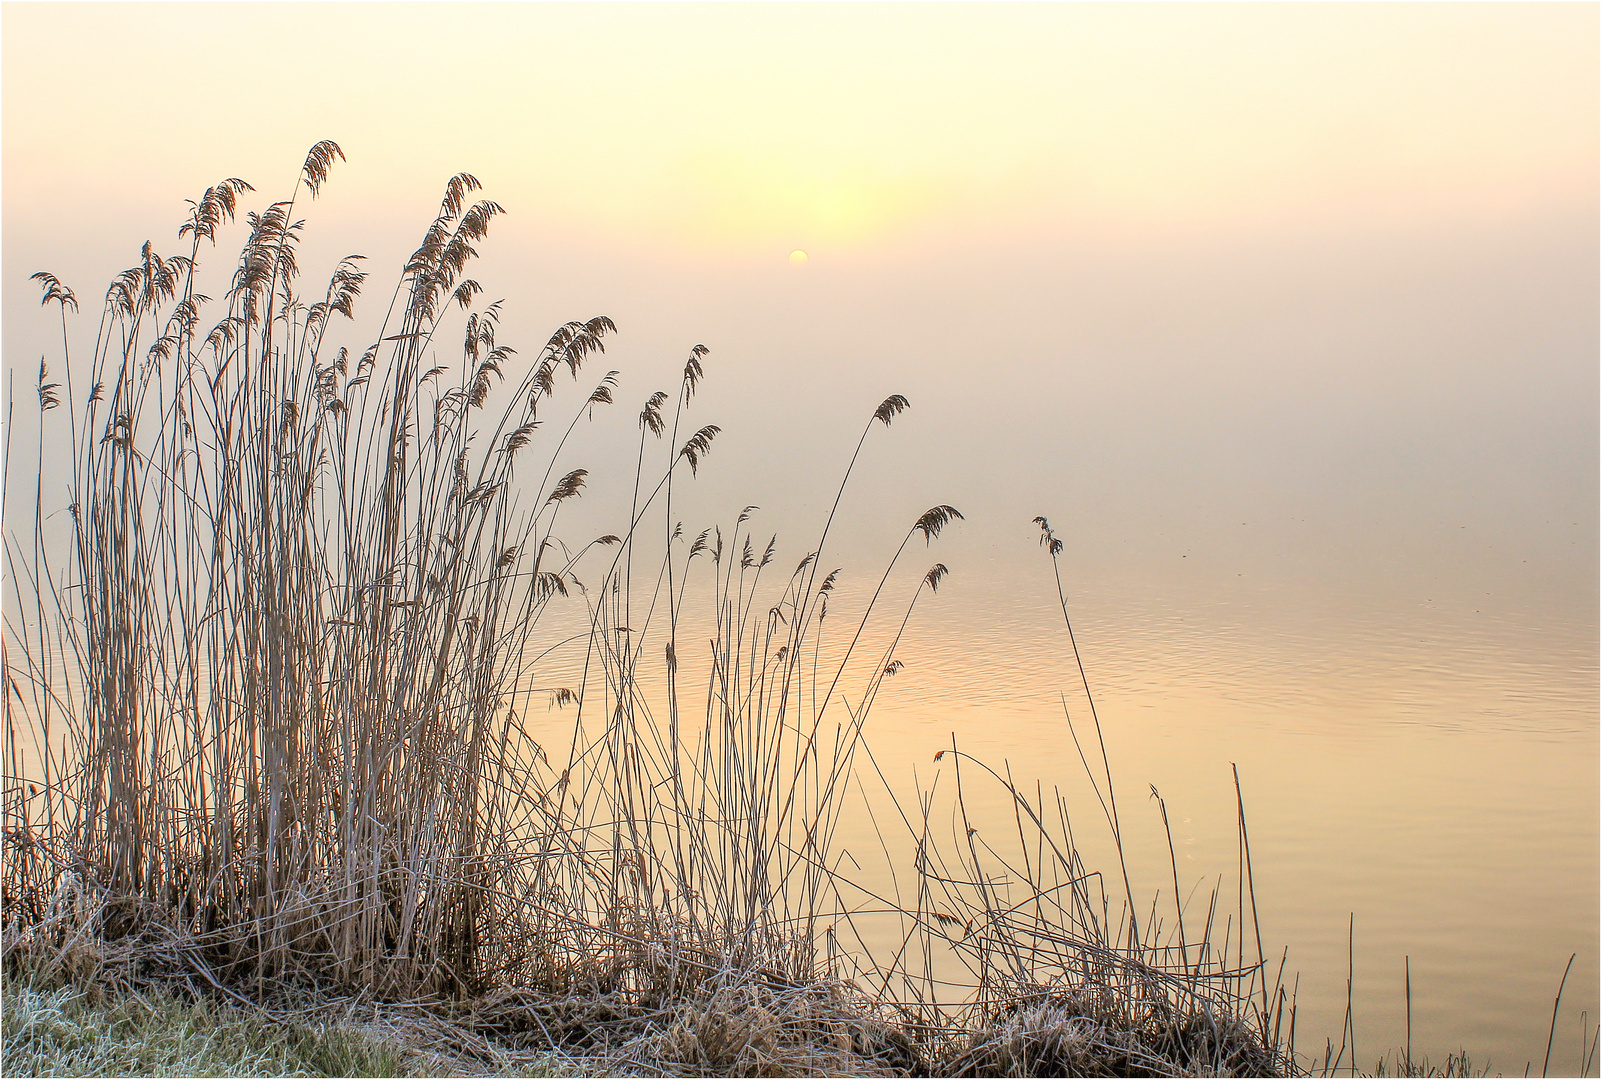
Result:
x=1424 y=769
x=1419 y=770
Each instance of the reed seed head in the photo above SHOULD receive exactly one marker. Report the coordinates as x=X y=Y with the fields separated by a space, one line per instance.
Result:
x=892 y=407
x=53 y=289
x=934 y=519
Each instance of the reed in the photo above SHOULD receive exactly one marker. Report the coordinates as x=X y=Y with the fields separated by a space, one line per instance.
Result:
x=276 y=711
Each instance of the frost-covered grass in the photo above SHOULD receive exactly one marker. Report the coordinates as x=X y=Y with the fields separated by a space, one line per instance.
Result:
x=65 y=1032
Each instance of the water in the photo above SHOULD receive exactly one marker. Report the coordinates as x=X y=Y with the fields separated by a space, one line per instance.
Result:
x=1428 y=773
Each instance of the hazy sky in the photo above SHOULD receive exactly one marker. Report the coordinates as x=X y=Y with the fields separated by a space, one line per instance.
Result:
x=1326 y=270
x=732 y=127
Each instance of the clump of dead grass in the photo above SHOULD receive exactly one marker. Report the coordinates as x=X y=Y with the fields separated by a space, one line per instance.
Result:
x=732 y=1026
x=1097 y=1033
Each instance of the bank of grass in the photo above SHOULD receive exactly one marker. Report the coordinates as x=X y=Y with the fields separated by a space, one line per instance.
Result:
x=280 y=718
x=167 y=1030
x=171 y=1031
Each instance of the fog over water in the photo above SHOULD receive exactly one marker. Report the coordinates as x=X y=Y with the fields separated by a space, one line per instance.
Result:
x=1311 y=395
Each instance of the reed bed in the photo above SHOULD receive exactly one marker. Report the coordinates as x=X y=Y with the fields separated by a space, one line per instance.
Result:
x=277 y=713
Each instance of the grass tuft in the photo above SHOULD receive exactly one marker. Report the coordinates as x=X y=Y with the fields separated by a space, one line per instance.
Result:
x=268 y=699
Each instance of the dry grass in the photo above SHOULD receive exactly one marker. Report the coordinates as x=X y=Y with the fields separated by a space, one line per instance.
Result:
x=1097 y=1033
x=268 y=700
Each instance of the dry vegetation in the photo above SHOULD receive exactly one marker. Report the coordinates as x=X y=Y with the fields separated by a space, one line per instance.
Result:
x=267 y=722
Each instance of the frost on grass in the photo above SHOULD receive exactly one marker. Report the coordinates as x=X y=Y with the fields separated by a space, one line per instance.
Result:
x=62 y=1032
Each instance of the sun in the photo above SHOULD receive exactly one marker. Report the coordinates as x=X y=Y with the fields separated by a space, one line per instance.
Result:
x=798 y=257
